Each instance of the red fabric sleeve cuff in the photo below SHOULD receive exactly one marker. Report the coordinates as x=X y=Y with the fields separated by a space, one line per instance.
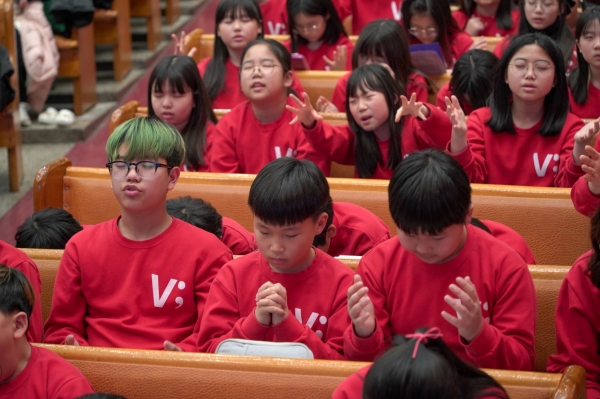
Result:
x=252 y=328
x=482 y=344
x=289 y=330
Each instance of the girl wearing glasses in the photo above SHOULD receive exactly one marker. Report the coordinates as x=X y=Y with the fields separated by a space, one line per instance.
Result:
x=487 y=18
x=318 y=34
x=258 y=131
x=428 y=21
x=526 y=136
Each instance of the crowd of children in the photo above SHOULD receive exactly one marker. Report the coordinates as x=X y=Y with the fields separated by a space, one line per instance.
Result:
x=508 y=117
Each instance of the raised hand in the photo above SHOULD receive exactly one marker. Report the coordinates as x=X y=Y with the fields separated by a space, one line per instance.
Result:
x=583 y=138
x=324 y=105
x=474 y=26
x=170 y=346
x=340 y=56
x=305 y=113
x=412 y=107
x=70 y=340
x=179 y=44
x=361 y=309
x=591 y=167
x=458 y=141
x=469 y=320
x=479 y=44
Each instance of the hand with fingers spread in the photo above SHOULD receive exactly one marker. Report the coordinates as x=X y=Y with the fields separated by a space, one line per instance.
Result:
x=179 y=44
x=361 y=309
x=474 y=26
x=324 y=105
x=469 y=319
x=479 y=44
x=591 y=167
x=412 y=107
x=305 y=113
x=170 y=346
x=584 y=138
x=458 y=140
x=340 y=56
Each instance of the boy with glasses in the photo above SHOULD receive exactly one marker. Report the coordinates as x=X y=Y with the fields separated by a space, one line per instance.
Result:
x=140 y=280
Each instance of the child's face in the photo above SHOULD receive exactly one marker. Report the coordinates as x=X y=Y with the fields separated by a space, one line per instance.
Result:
x=436 y=249
x=530 y=73
x=288 y=249
x=261 y=75
x=237 y=31
x=424 y=28
x=310 y=27
x=589 y=44
x=142 y=194
x=541 y=13
x=487 y=3
x=369 y=109
x=173 y=107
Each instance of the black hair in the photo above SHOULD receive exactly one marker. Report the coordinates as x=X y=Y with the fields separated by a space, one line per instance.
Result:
x=593 y=269
x=321 y=238
x=196 y=212
x=478 y=223
x=503 y=15
x=288 y=191
x=180 y=71
x=473 y=76
x=334 y=26
x=556 y=104
x=366 y=151
x=386 y=39
x=16 y=293
x=214 y=76
x=101 y=395
x=559 y=31
x=439 y=10
x=436 y=372
x=428 y=192
x=579 y=80
x=50 y=228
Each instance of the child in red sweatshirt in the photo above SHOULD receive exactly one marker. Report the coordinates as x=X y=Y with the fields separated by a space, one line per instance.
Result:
x=442 y=271
x=364 y=12
x=287 y=291
x=140 y=280
x=29 y=371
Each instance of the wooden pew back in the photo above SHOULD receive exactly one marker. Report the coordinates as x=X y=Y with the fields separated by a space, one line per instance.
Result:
x=47 y=261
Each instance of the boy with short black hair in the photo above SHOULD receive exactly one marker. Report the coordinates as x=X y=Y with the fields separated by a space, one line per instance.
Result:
x=50 y=228
x=441 y=271
x=288 y=291
x=28 y=371
x=140 y=280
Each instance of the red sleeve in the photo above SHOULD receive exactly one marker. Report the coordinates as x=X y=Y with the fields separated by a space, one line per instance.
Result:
x=461 y=19
x=512 y=239
x=584 y=201
x=351 y=387
x=73 y=388
x=461 y=43
x=69 y=305
x=223 y=158
x=568 y=171
x=339 y=95
x=343 y=8
x=30 y=270
x=418 y=85
x=472 y=157
x=433 y=132
x=203 y=64
x=237 y=238
x=335 y=143
x=440 y=101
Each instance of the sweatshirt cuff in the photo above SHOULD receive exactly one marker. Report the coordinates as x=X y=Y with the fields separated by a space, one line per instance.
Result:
x=252 y=328
x=368 y=344
x=482 y=344
x=317 y=126
x=573 y=168
x=289 y=330
x=464 y=157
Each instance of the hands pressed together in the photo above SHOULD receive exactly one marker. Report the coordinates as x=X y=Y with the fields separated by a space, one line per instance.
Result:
x=271 y=304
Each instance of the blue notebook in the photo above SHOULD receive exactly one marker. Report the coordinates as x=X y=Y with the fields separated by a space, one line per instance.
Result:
x=428 y=58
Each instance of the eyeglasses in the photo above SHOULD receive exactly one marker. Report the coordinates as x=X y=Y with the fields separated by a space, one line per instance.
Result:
x=429 y=32
x=144 y=169
x=543 y=5
x=539 y=67
x=307 y=29
x=265 y=68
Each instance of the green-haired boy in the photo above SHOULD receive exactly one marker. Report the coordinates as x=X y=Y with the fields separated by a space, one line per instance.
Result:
x=140 y=280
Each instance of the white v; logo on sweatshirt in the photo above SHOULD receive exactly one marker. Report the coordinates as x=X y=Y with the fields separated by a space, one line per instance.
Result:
x=160 y=300
x=541 y=171
x=277 y=29
x=289 y=152
x=396 y=10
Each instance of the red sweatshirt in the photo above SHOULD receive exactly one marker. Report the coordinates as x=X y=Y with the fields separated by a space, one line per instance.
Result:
x=416 y=84
x=13 y=257
x=232 y=94
x=408 y=294
x=314 y=58
x=114 y=292
x=588 y=109
x=460 y=43
x=489 y=23
x=237 y=238
x=46 y=375
x=244 y=145
x=357 y=230
x=316 y=298
x=275 y=17
x=336 y=143
x=578 y=325
x=364 y=12
x=512 y=238
x=440 y=101
x=524 y=158
x=210 y=135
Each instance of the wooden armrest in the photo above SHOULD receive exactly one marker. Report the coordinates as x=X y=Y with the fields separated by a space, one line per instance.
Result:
x=65 y=44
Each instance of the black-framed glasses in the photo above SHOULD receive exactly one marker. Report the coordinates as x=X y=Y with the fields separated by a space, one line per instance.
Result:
x=144 y=169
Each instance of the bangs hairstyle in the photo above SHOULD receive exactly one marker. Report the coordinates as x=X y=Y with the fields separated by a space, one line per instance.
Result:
x=196 y=212
x=16 y=293
x=439 y=10
x=503 y=15
x=579 y=80
x=214 y=76
x=181 y=72
x=435 y=373
x=366 y=151
x=289 y=191
x=334 y=26
x=148 y=138
x=559 y=31
x=556 y=103
x=428 y=192
x=473 y=77
x=385 y=38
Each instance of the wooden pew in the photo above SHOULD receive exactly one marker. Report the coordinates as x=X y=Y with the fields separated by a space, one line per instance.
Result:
x=113 y=27
x=47 y=261
x=172 y=11
x=149 y=9
x=10 y=126
x=159 y=374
